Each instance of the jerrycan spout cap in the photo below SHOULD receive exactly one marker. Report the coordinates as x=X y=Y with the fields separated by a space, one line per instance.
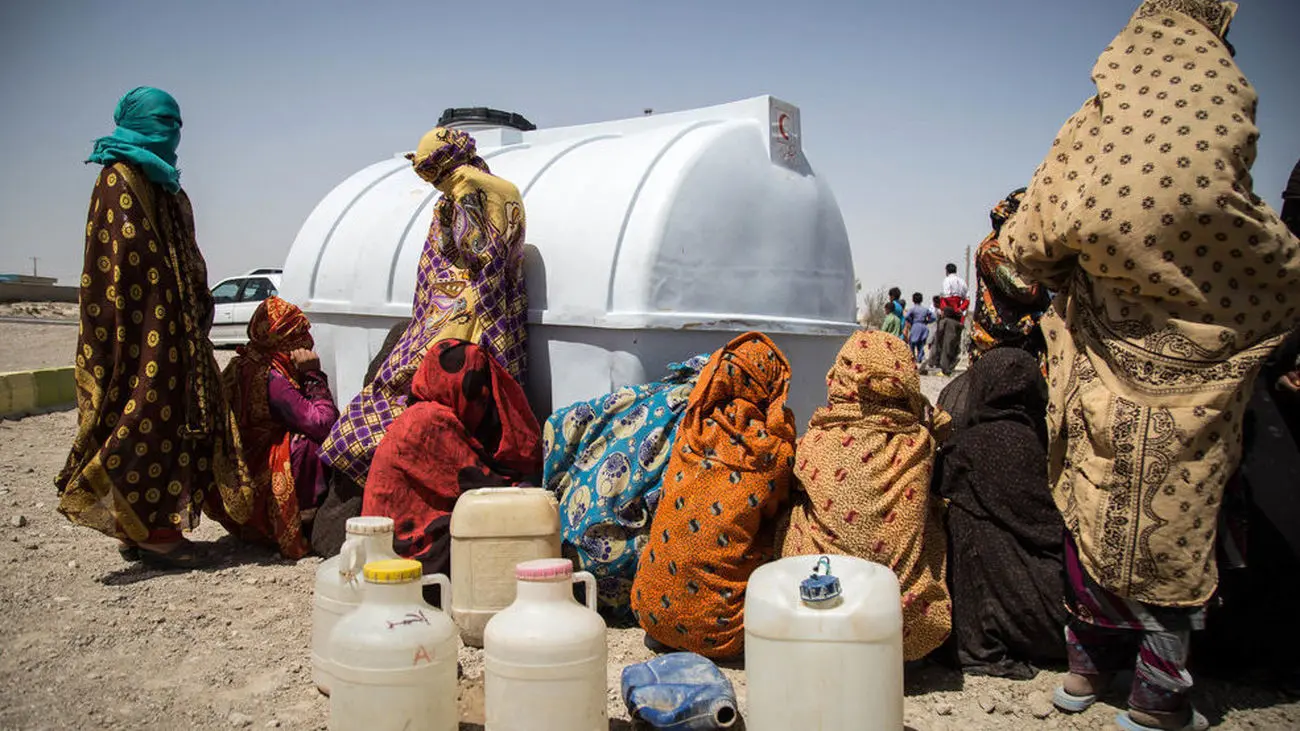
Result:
x=820 y=588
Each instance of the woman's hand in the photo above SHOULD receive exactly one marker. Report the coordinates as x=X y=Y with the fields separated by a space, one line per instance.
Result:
x=1290 y=382
x=305 y=360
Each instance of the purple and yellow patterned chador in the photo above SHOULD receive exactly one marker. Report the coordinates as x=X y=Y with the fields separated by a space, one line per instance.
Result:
x=469 y=286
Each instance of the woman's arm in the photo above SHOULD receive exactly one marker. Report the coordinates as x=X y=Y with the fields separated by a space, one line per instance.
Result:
x=1040 y=241
x=309 y=411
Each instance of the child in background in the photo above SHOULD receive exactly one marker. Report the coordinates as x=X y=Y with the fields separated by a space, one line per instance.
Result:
x=916 y=328
x=893 y=323
x=896 y=300
x=930 y=340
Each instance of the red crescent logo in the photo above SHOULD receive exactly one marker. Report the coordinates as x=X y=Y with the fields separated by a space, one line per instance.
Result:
x=780 y=126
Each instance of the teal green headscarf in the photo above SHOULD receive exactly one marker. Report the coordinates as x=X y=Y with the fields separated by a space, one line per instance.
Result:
x=148 y=132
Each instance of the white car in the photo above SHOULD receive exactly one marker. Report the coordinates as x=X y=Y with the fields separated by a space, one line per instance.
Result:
x=236 y=299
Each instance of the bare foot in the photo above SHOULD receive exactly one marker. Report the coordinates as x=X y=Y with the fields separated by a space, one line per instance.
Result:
x=1084 y=685
x=1187 y=718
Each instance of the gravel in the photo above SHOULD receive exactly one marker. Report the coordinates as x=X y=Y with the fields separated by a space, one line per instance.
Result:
x=89 y=641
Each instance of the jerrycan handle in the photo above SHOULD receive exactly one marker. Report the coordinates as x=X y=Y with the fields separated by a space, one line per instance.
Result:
x=351 y=562
x=590 y=582
x=822 y=588
x=444 y=588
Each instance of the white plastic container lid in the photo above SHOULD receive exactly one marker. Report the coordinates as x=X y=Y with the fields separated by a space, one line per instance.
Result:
x=368 y=525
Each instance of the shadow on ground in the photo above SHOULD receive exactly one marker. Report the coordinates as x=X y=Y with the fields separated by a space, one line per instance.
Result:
x=225 y=553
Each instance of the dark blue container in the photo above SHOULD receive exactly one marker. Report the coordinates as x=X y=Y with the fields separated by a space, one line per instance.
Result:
x=680 y=692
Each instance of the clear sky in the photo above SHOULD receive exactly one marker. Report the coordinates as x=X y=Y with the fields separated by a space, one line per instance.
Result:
x=921 y=114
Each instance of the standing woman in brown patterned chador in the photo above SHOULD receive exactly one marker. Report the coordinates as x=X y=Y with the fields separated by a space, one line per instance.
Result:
x=156 y=442
x=1174 y=282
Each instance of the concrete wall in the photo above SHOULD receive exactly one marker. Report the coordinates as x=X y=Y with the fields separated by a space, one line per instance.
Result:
x=36 y=392
x=16 y=292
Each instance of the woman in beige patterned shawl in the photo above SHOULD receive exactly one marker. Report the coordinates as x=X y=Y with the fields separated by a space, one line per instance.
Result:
x=863 y=472
x=1175 y=280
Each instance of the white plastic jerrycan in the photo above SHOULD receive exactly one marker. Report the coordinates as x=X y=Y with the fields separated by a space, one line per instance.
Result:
x=824 y=651
x=338 y=589
x=492 y=530
x=394 y=657
x=544 y=655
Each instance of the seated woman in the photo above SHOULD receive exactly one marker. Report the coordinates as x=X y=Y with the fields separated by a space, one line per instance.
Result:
x=282 y=403
x=467 y=425
x=727 y=481
x=605 y=461
x=1003 y=527
x=863 y=472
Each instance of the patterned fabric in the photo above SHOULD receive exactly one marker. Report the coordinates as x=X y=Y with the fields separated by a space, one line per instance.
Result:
x=1161 y=682
x=442 y=151
x=1007 y=306
x=727 y=481
x=605 y=460
x=468 y=426
x=863 y=476
x=156 y=441
x=1091 y=603
x=343 y=495
x=276 y=329
x=1212 y=14
x=1005 y=209
x=469 y=286
x=483 y=244
x=1106 y=631
x=1003 y=527
x=308 y=412
x=1174 y=282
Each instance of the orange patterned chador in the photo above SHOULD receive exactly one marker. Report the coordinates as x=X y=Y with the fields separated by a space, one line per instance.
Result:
x=727 y=481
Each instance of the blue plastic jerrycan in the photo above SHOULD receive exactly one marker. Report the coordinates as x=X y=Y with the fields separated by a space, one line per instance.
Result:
x=681 y=691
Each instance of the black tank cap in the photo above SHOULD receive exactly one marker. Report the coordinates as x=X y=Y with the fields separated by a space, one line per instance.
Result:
x=484 y=115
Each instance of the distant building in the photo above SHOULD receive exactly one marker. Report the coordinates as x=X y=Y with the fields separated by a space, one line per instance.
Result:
x=27 y=279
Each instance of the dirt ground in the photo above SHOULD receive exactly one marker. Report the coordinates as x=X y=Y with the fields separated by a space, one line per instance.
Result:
x=40 y=310
x=88 y=641
x=27 y=347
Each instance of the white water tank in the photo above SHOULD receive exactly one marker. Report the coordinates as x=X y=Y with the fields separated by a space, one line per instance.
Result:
x=649 y=240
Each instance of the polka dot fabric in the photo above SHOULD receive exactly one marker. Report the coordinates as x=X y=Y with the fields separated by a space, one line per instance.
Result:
x=156 y=443
x=1174 y=280
x=863 y=475
x=725 y=485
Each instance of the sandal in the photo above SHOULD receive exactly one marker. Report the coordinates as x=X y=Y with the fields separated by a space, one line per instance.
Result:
x=1078 y=703
x=1196 y=722
x=1071 y=703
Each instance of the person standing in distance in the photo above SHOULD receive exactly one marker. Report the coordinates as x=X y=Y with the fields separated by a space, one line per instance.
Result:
x=952 y=315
